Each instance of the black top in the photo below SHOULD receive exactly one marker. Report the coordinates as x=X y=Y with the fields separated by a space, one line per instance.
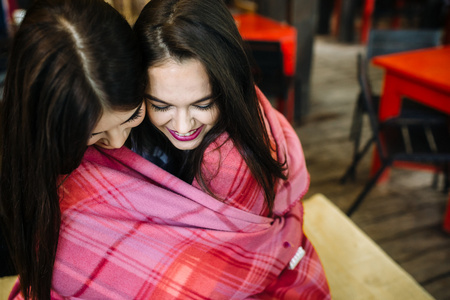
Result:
x=150 y=143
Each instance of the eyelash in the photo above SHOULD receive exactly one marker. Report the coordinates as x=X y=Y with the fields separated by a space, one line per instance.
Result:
x=136 y=116
x=166 y=108
x=205 y=107
x=159 y=108
x=133 y=118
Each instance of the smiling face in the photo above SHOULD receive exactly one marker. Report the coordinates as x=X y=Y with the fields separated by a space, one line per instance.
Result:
x=114 y=127
x=180 y=103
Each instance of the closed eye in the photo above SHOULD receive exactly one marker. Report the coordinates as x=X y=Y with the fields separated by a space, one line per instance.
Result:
x=159 y=107
x=202 y=104
x=137 y=114
x=206 y=106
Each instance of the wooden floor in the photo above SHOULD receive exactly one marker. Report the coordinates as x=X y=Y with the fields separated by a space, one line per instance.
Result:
x=403 y=215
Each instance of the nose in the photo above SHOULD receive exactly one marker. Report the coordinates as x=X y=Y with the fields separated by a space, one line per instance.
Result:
x=183 y=121
x=116 y=138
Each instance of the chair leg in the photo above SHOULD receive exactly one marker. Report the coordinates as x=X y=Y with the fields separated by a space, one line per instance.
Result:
x=355 y=127
x=446 y=178
x=355 y=136
x=435 y=180
x=356 y=158
x=366 y=190
x=356 y=155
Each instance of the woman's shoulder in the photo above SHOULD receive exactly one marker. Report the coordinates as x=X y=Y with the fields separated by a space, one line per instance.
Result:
x=221 y=153
x=229 y=178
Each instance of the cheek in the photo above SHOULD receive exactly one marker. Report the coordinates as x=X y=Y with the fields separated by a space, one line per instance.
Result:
x=93 y=140
x=158 y=118
x=213 y=117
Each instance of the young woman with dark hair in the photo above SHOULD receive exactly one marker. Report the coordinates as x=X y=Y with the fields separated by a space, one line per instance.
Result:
x=74 y=78
x=211 y=126
x=202 y=34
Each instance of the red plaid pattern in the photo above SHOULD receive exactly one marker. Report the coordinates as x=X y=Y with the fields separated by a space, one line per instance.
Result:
x=130 y=230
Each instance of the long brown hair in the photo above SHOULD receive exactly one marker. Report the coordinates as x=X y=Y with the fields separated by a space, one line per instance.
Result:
x=205 y=30
x=69 y=61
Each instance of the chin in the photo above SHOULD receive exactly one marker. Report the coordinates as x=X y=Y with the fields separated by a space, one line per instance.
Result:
x=185 y=147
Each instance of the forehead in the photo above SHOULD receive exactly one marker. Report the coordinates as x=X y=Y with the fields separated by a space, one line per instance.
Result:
x=173 y=80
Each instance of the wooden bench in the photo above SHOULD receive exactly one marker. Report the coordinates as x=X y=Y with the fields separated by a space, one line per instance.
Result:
x=6 y=284
x=356 y=267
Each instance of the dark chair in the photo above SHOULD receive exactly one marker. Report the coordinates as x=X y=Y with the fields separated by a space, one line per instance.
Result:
x=387 y=41
x=383 y=42
x=400 y=139
x=267 y=62
x=267 y=66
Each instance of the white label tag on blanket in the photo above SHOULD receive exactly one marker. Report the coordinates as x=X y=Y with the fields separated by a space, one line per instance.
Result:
x=296 y=259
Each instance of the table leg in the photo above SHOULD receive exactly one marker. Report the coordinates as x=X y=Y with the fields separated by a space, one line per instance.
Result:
x=396 y=20
x=391 y=100
x=369 y=6
x=336 y=17
x=287 y=106
x=446 y=224
x=376 y=164
x=390 y=106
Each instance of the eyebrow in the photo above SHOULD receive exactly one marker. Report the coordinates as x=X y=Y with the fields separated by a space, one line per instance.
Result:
x=136 y=112
x=153 y=98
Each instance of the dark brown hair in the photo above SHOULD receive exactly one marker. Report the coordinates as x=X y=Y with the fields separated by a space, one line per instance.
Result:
x=69 y=61
x=205 y=30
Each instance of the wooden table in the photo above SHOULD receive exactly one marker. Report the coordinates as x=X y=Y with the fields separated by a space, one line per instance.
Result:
x=254 y=27
x=355 y=266
x=423 y=75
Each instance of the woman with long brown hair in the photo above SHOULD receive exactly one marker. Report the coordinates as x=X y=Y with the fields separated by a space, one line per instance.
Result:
x=210 y=125
x=73 y=80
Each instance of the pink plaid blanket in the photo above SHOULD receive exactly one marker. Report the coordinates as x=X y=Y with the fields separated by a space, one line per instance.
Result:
x=130 y=230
